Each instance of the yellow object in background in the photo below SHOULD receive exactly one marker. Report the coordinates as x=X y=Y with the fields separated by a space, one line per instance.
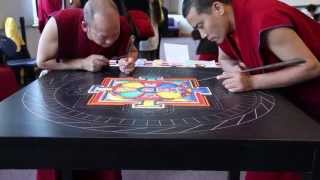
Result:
x=161 y=11
x=12 y=32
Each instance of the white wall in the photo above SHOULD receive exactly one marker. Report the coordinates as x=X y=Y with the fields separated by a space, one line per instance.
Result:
x=174 y=6
x=16 y=8
x=33 y=37
x=301 y=2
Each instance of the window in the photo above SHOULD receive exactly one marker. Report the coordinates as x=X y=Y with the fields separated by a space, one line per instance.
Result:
x=35 y=16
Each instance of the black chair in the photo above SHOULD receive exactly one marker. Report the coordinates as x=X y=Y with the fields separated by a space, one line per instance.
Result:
x=7 y=48
x=11 y=57
x=21 y=61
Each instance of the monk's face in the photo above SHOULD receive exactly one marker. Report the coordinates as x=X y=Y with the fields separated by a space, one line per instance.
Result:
x=104 y=31
x=212 y=25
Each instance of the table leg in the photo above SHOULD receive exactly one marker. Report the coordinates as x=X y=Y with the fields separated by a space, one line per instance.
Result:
x=22 y=76
x=65 y=174
x=316 y=165
x=234 y=175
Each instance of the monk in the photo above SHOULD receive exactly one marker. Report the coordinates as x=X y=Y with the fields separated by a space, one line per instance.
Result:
x=76 y=39
x=256 y=33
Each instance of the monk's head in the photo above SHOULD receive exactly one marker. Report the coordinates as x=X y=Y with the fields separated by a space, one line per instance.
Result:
x=213 y=18
x=101 y=22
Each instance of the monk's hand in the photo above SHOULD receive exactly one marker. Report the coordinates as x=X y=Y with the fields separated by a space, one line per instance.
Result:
x=236 y=81
x=94 y=63
x=127 y=65
x=236 y=68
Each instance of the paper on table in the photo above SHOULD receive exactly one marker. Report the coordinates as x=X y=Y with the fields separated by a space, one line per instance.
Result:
x=206 y=64
x=176 y=54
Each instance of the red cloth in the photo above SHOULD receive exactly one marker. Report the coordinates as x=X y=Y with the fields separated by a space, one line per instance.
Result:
x=74 y=43
x=272 y=176
x=47 y=174
x=45 y=9
x=208 y=56
x=143 y=23
x=8 y=82
x=252 y=19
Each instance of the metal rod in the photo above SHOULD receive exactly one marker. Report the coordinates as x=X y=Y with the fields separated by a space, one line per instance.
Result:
x=276 y=65
x=267 y=67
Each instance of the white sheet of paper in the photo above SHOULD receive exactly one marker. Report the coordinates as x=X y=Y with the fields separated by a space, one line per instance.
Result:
x=176 y=54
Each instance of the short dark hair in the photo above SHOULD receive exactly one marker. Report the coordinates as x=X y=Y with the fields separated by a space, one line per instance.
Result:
x=202 y=6
x=311 y=8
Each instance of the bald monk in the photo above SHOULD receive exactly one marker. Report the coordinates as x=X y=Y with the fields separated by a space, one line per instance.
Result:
x=258 y=33
x=77 y=39
x=85 y=40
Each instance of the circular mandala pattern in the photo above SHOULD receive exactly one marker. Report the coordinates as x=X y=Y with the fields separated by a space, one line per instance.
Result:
x=63 y=101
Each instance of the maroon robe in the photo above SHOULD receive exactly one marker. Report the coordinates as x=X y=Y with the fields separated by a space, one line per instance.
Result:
x=73 y=43
x=9 y=84
x=45 y=9
x=252 y=19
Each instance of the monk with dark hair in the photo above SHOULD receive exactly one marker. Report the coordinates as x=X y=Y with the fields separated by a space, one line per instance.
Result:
x=257 y=33
x=312 y=9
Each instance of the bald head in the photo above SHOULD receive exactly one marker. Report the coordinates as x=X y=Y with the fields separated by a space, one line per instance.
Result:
x=104 y=8
x=101 y=22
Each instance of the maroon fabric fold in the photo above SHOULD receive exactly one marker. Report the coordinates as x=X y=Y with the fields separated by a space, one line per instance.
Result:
x=45 y=9
x=8 y=82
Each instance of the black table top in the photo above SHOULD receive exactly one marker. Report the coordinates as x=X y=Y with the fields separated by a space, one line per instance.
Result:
x=48 y=124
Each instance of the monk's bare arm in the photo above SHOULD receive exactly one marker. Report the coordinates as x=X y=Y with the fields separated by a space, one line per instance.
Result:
x=127 y=65
x=228 y=64
x=287 y=45
x=48 y=49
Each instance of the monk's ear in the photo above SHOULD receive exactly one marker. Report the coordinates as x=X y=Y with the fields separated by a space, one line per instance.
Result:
x=218 y=8
x=84 y=26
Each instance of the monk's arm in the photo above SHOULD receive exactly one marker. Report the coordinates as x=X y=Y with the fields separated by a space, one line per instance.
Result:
x=134 y=52
x=48 y=49
x=287 y=45
x=228 y=64
x=127 y=65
